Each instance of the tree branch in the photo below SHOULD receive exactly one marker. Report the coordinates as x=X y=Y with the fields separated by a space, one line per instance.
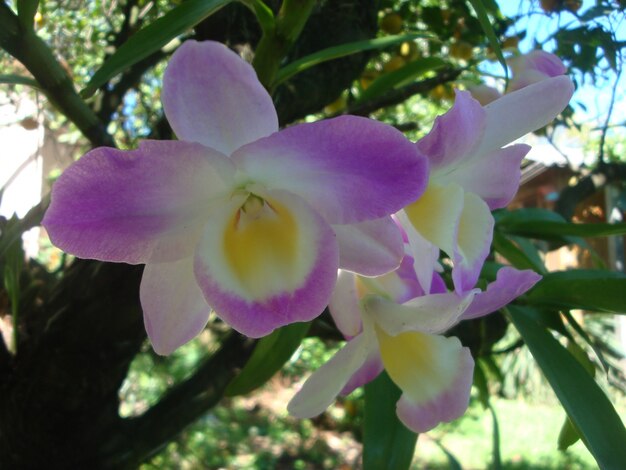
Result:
x=37 y=57
x=111 y=98
x=142 y=437
x=398 y=96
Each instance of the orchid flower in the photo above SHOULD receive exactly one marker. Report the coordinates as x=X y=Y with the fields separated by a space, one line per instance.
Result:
x=391 y=325
x=526 y=69
x=236 y=216
x=533 y=67
x=472 y=174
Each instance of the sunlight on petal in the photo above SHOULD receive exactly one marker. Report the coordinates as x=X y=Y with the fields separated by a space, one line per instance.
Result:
x=474 y=239
x=410 y=358
x=447 y=405
x=423 y=366
x=433 y=313
x=436 y=215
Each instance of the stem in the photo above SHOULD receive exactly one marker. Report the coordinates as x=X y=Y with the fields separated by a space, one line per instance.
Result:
x=276 y=42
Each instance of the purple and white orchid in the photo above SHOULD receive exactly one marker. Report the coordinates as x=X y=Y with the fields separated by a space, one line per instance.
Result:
x=390 y=324
x=533 y=67
x=236 y=216
x=472 y=174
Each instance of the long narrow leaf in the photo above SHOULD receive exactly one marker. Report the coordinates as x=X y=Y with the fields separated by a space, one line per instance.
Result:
x=583 y=334
x=540 y=229
x=585 y=403
x=342 y=50
x=595 y=290
x=483 y=19
x=521 y=258
x=151 y=38
x=453 y=463
x=407 y=73
x=269 y=356
x=387 y=443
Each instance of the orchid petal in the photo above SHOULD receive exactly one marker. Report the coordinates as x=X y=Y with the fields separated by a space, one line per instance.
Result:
x=541 y=61
x=454 y=134
x=533 y=67
x=344 y=305
x=137 y=206
x=212 y=96
x=494 y=177
x=173 y=305
x=321 y=388
x=371 y=248
x=438 y=285
x=424 y=254
x=370 y=369
x=268 y=265
x=525 y=78
x=523 y=111
x=436 y=215
x=509 y=284
x=399 y=285
x=349 y=169
x=433 y=313
x=435 y=375
x=475 y=231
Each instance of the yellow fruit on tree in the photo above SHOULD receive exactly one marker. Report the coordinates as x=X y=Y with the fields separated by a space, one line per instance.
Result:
x=391 y=23
x=395 y=63
x=367 y=78
x=461 y=50
x=409 y=50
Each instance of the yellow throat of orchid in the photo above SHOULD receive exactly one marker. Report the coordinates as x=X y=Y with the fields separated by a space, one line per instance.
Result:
x=261 y=243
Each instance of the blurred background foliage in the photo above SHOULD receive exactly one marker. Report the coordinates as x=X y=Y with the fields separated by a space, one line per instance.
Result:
x=80 y=383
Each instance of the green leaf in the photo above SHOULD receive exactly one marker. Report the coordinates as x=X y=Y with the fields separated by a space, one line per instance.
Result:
x=585 y=403
x=550 y=319
x=342 y=50
x=483 y=19
x=520 y=256
x=546 y=229
x=11 y=79
x=387 y=443
x=151 y=38
x=402 y=76
x=595 y=290
x=547 y=225
x=505 y=218
x=568 y=435
x=263 y=13
x=269 y=356
x=583 y=334
x=453 y=463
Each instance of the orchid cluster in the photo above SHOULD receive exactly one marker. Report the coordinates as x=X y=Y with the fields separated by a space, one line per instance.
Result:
x=266 y=227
